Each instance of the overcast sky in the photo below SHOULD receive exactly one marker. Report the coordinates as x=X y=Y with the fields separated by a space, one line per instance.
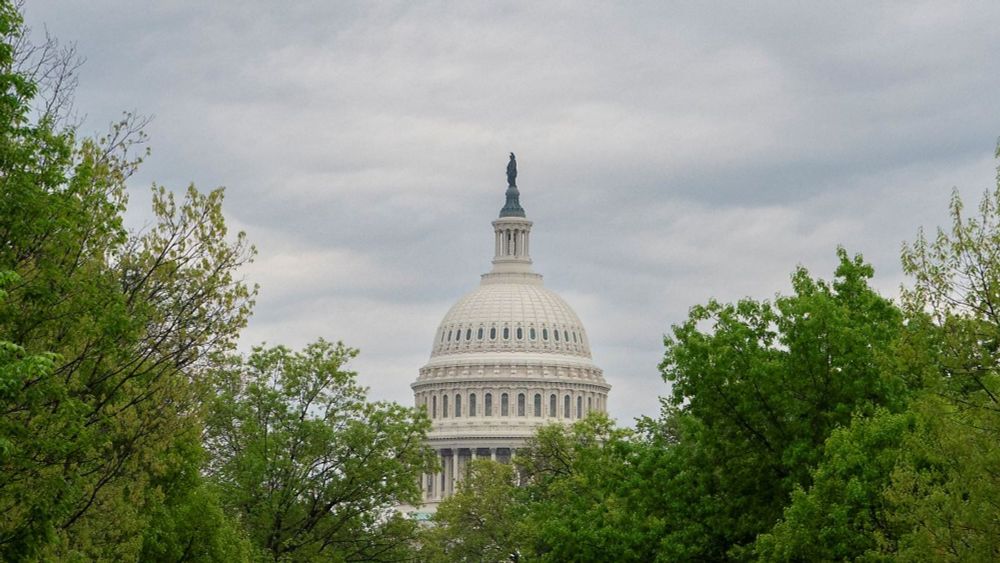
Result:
x=666 y=153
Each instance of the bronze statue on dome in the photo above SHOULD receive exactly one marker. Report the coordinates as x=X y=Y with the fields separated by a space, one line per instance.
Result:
x=512 y=171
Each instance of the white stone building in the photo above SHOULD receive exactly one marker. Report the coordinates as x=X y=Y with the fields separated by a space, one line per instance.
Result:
x=508 y=357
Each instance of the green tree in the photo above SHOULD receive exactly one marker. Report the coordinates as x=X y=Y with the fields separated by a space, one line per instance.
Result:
x=581 y=494
x=481 y=521
x=757 y=389
x=844 y=515
x=946 y=494
x=106 y=336
x=312 y=468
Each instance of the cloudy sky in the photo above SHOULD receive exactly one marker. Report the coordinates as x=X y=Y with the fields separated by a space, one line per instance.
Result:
x=667 y=153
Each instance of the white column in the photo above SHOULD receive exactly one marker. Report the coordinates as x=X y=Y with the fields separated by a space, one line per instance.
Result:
x=442 y=482
x=453 y=478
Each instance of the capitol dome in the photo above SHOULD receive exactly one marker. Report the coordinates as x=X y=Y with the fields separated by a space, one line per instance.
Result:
x=508 y=357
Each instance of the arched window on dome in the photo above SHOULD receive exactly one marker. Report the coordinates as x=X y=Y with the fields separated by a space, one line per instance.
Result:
x=434 y=406
x=472 y=404
x=520 y=404
x=538 y=405
x=566 y=335
x=442 y=336
x=480 y=336
x=566 y=413
x=574 y=336
x=506 y=333
x=531 y=333
x=520 y=333
x=504 y=405
x=458 y=406
x=552 y=406
x=545 y=334
x=458 y=334
x=555 y=334
x=468 y=334
x=488 y=404
x=493 y=333
x=579 y=406
x=444 y=406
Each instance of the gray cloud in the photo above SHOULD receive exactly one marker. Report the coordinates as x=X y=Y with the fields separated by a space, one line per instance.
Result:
x=668 y=153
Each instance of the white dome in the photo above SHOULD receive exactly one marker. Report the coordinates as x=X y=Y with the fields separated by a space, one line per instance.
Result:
x=511 y=315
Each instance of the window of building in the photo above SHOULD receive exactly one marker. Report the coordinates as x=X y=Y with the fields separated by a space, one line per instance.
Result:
x=480 y=336
x=555 y=334
x=579 y=407
x=590 y=404
x=504 y=405
x=552 y=405
x=520 y=404
x=566 y=336
x=458 y=406
x=531 y=333
x=472 y=404
x=468 y=334
x=545 y=334
x=444 y=406
x=493 y=333
x=574 y=336
x=449 y=336
x=442 y=336
x=566 y=413
x=538 y=404
x=520 y=333
x=506 y=333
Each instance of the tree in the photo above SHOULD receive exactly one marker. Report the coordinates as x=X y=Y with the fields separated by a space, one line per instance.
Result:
x=946 y=494
x=107 y=335
x=481 y=521
x=758 y=388
x=312 y=468
x=583 y=502
x=844 y=514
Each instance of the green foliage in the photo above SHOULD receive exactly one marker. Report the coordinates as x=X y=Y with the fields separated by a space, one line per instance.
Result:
x=759 y=387
x=480 y=522
x=189 y=523
x=946 y=494
x=310 y=466
x=844 y=515
x=105 y=335
x=580 y=490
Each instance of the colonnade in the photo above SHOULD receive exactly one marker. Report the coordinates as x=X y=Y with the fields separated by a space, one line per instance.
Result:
x=453 y=463
x=511 y=242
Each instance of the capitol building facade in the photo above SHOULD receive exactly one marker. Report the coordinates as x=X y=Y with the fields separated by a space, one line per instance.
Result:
x=508 y=357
